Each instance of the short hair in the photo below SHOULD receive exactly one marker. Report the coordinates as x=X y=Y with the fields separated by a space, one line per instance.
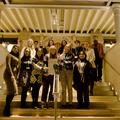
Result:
x=36 y=41
x=77 y=41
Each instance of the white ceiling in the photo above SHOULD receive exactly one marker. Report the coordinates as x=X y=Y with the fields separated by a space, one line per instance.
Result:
x=73 y=16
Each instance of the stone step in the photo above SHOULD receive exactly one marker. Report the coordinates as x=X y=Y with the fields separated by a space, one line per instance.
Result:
x=65 y=112
x=92 y=99
x=16 y=117
x=93 y=105
x=102 y=87
x=102 y=107
x=103 y=93
x=103 y=99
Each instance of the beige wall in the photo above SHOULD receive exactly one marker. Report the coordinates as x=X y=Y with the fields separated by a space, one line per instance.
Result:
x=3 y=53
x=112 y=67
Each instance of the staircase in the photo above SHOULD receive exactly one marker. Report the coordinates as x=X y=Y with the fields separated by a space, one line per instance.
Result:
x=103 y=106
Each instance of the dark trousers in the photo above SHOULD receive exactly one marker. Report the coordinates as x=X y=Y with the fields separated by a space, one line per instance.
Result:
x=24 y=96
x=9 y=99
x=99 y=63
x=35 y=93
x=93 y=78
x=83 y=95
x=47 y=84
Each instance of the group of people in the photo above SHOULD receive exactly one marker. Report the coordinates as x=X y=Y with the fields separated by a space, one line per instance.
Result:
x=32 y=67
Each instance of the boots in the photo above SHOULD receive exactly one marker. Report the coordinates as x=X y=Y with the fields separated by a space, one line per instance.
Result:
x=6 y=111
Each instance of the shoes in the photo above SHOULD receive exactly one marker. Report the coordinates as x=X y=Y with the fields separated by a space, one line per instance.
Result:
x=91 y=93
x=86 y=105
x=100 y=80
x=23 y=105
x=44 y=105
x=80 y=105
x=35 y=105
x=50 y=104
x=83 y=106
x=63 y=106
x=6 y=113
x=69 y=105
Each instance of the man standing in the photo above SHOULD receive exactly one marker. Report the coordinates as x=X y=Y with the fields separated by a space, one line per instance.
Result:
x=99 y=54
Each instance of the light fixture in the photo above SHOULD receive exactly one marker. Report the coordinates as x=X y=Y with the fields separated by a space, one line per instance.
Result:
x=55 y=20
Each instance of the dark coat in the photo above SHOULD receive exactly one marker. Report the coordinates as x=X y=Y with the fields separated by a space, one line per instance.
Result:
x=77 y=76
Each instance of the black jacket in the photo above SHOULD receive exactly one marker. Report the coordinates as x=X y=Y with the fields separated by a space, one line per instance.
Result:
x=77 y=78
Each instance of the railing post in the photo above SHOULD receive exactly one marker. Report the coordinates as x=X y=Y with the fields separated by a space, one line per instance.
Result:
x=56 y=89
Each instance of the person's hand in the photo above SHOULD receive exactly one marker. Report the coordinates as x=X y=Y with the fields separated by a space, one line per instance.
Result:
x=45 y=68
x=12 y=77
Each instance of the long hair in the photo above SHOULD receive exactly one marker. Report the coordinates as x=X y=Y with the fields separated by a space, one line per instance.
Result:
x=42 y=54
x=26 y=57
x=13 y=53
x=55 y=54
x=84 y=54
x=50 y=41
x=63 y=42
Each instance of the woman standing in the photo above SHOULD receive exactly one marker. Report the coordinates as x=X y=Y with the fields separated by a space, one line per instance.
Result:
x=36 y=77
x=66 y=75
x=81 y=78
x=50 y=60
x=25 y=73
x=30 y=45
x=91 y=58
x=10 y=77
x=63 y=44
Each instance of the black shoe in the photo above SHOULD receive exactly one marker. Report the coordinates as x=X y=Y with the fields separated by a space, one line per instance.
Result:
x=86 y=105
x=50 y=104
x=69 y=105
x=35 y=105
x=6 y=113
x=91 y=93
x=80 y=106
x=100 y=80
x=44 y=105
x=23 y=106
x=63 y=106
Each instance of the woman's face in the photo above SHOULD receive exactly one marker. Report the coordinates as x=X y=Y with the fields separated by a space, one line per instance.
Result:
x=82 y=55
x=53 y=51
x=27 y=52
x=51 y=42
x=15 y=49
x=86 y=45
x=30 y=43
x=39 y=53
x=67 y=49
x=64 y=42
